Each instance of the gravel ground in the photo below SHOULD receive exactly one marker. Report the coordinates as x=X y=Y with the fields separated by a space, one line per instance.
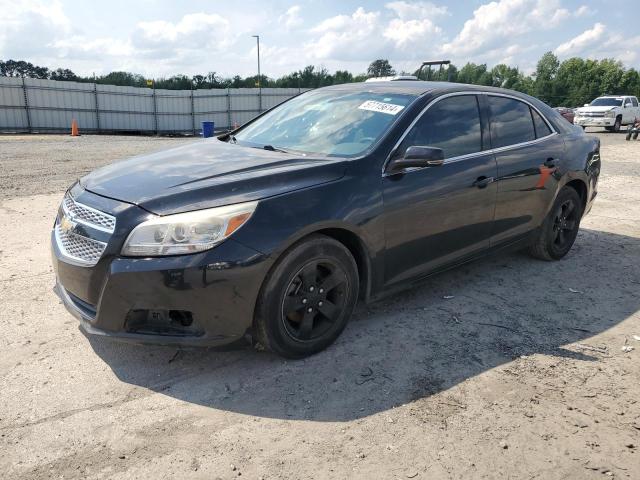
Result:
x=33 y=164
x=520 y=374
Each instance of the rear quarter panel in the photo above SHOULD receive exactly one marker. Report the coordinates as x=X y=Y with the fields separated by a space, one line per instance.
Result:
x=583 y=162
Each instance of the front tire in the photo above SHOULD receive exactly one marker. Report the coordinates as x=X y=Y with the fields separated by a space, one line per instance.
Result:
x=308 y=298
x=560 y=228
x=617 y=125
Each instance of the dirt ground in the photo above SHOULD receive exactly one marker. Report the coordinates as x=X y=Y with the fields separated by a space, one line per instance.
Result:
x=506 y=368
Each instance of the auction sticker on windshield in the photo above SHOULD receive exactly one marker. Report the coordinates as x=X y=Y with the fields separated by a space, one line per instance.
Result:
x=381 y=107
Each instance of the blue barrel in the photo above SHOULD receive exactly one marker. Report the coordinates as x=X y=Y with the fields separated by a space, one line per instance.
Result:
x=207 y=129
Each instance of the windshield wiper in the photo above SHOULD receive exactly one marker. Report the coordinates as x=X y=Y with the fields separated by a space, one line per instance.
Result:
x=228 y=138
x=271 y=148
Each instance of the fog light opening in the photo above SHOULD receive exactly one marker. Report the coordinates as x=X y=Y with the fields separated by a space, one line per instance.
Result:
x=181 y=317
x=162 y=322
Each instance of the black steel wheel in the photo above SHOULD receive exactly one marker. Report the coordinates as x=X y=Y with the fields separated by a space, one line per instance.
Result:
x=308 y=298
x=560 y=228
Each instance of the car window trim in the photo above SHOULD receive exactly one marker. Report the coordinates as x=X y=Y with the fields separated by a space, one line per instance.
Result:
x=535 y=127
x=514 y=145
x=474 y=154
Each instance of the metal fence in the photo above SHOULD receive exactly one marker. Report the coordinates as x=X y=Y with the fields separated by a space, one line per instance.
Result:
x=32 y=105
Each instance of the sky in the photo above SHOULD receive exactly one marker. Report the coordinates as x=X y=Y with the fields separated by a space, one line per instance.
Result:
x=160 y=38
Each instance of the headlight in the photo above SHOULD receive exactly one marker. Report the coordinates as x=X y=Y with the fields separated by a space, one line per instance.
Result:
x=610 y=114
x=186 y=232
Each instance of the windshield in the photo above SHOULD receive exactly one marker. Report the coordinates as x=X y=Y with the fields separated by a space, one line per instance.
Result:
x=607 y=102
x=336 y=123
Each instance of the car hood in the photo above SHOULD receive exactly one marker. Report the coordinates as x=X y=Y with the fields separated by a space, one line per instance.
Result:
x=208 y=174
x=595 y=109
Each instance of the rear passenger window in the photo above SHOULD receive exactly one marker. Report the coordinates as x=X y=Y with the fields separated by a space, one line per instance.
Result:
x=542 y=129
x=511 y=122
x=634 y=101
x=452 y=124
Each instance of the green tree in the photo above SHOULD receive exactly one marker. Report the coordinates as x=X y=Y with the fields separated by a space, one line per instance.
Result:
x=177 y=82
x=611 y=76
x=504 y=76
x=630 y=82
x=20 y=68
x=473 y=74
x=342 y=76
x=63 y=74
x=546 y=71
x=123 y=79
x=380 y=68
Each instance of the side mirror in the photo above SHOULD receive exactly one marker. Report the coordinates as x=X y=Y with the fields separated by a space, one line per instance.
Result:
x=586 y=104
x=417 y=156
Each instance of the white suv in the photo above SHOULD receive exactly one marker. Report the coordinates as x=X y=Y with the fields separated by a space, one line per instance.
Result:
x=611 y=112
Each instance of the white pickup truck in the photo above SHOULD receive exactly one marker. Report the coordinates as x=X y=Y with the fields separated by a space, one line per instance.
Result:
x=610 y=112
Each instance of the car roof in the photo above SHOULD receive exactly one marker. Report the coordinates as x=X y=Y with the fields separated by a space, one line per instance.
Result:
x=417 y=87
x=409 y=87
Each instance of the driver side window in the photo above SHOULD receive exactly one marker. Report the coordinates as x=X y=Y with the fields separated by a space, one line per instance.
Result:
x=452 y=124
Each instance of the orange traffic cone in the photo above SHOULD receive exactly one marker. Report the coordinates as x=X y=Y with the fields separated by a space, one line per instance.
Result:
x=74 y=128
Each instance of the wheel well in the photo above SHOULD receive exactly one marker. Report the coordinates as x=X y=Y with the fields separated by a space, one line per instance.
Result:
x=357 y=249
x=580 y=187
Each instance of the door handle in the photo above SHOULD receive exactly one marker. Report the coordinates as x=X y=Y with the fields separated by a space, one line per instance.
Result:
x=482 y=182
x=551 y=162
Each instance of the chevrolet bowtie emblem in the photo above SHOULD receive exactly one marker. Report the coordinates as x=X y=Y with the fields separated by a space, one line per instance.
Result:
x=66 y=225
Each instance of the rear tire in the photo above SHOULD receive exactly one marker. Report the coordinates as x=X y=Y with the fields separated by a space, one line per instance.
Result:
x=560 y=228
x=308 y=298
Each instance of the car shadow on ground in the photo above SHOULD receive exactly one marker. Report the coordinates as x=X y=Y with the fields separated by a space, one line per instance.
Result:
x=414 y=344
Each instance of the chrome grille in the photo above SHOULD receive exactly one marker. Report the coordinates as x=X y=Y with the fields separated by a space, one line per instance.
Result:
x=84 y=250
x=87 y=215
x=75 y=226
x=593 y=114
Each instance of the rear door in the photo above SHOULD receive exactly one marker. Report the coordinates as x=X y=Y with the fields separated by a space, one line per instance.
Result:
x=632 y=111
x=437 y=215
x=528 y=152
x=628 y=110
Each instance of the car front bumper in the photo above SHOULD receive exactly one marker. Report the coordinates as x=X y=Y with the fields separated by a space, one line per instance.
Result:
x=204 y=299
x=594 y=121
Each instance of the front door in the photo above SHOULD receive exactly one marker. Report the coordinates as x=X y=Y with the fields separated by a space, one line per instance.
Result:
x=438 y=215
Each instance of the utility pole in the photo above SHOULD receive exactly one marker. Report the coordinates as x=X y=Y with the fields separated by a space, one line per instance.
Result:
x=257 y=37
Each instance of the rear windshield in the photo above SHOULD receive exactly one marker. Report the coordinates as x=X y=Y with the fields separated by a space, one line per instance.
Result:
x=333 y=123
x=607 y=102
